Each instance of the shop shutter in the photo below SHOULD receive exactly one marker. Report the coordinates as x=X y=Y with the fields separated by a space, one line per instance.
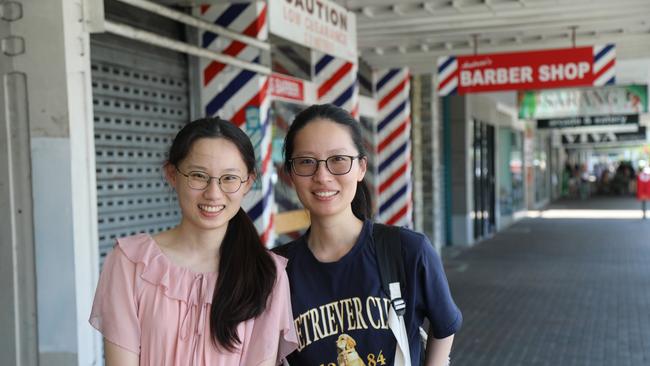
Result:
x=140 y=101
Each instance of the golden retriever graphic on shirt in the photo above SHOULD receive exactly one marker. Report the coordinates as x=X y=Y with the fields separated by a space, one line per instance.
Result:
x=346 y=352
x=340 y=325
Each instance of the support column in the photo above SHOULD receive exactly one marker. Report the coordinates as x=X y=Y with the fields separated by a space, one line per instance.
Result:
x=394 y=147
x=50 y=94
x=19 y=346
x=368 y=129
x=336 y=82
x=460 y=164
x=241 y=96
x=418 y=159
x=433 y=155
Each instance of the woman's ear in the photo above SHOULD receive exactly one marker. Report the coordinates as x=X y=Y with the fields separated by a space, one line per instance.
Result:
x=289 y=175
x=363 y=166
x=170 y=174
x=249 y=183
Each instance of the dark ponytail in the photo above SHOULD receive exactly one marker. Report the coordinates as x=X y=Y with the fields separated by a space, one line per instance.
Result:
x=246 y=270
x=362 y=201
x=246 y=277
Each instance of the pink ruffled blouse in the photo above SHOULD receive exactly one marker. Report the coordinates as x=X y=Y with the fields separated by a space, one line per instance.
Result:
x=148 y=305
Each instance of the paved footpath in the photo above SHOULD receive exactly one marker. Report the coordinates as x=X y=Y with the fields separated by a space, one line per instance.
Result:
x=556 y=291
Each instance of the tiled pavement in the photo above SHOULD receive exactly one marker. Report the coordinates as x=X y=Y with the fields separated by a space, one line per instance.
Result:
x=556 y=292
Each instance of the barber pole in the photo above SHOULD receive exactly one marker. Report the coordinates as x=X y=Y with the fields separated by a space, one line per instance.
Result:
x=604 y=65
x=336 y=82
x=394 y=147
x=241 y=96
x=527 y=70
x=447 y=75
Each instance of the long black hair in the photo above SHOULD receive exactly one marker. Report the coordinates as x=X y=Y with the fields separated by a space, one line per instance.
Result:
x=362 y=202
x=246 y=270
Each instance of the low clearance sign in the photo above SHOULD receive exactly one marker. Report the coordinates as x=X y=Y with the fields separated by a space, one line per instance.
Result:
x=559 y=68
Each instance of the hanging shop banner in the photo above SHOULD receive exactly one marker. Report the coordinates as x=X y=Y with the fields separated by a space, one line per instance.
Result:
x=286 y=87
x=536 y=104
x=319 y=24
x=558 y=68
x=601 y=137
x=589 y=121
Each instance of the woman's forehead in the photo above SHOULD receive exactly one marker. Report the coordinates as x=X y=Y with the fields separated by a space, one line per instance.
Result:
x=324 y=135
x=214 y=153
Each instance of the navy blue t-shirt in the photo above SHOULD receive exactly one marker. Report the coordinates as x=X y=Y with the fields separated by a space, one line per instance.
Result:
x=340 y=309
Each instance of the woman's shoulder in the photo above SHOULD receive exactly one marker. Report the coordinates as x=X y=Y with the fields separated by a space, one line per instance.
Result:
x=415 y=244
x=279 y=260
x=139 y=248
x=141 y=254
x=137 y=253
x=413 y=237
x=287 y=250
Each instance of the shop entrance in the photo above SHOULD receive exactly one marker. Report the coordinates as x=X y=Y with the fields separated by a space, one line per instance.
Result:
x=483 y=213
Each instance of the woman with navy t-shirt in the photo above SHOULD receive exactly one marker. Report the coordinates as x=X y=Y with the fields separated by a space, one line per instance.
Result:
x=340 y=310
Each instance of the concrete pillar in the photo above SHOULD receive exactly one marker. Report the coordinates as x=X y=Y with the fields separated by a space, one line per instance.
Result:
x=365 y=76
x=460 y=137
x=18 y=342
x=49 y=93
x=435 y=151
x=430 y=193
x=418 y=160
x=241 y=96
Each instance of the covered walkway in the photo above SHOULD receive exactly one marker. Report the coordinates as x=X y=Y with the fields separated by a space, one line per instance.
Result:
x=558 y=288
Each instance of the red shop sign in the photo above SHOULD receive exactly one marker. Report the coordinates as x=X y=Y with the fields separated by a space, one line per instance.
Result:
x=559 y=68
x=286 y=87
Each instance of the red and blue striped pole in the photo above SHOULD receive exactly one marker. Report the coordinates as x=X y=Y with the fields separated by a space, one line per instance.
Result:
x=336 y=82
x=241 y=96
x=394 y=147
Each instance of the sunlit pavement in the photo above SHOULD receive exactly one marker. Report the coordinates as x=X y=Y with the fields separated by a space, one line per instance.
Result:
x=569 y=285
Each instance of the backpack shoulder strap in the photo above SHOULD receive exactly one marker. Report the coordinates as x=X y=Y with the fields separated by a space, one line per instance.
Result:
x=388 y=248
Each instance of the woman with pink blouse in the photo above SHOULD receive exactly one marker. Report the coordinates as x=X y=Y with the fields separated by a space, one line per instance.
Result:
x=205 y=292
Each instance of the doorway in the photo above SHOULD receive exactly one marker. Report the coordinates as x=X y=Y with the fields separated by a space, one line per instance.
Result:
x=483 y=164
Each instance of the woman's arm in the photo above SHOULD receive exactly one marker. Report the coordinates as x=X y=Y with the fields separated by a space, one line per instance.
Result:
x=438 y=351
x=118 y=356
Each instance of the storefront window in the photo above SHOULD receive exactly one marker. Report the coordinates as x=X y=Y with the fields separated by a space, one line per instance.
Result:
x=540 y=164
x=511 y=177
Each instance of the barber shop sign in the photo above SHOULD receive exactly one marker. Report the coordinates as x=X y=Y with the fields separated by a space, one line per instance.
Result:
x=543 y=69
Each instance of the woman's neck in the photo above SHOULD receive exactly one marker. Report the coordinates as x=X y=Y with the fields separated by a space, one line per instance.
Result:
x=331 y=238
x=197 y=250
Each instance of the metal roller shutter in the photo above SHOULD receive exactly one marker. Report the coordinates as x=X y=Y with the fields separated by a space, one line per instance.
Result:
x=140 y=97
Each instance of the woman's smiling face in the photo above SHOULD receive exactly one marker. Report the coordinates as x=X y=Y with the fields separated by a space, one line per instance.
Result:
x=325 y=194
x=209 y=208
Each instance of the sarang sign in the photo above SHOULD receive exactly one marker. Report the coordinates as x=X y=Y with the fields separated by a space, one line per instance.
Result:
x=626 y=99
x=319 y=24
x=286 y=87
x=559 y=68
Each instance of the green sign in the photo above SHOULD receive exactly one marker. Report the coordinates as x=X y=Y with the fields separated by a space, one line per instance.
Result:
x=607 y=100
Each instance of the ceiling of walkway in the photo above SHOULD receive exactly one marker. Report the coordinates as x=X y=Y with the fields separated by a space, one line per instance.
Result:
x=414 y=33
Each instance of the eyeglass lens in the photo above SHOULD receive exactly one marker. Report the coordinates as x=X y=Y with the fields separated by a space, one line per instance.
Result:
x=228 y=183
x=337 y=165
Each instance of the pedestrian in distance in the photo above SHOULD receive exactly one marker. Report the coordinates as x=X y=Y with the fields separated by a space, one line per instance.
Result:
x=342 y=313
x=205 y=292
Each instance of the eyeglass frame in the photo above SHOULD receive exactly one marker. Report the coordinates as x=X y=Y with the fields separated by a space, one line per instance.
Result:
x=210 y=178
x=318 y=161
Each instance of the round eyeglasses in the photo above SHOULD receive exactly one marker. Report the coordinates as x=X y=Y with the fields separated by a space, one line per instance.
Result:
x=305 y=166
x=229 y=183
